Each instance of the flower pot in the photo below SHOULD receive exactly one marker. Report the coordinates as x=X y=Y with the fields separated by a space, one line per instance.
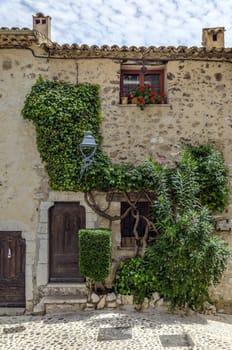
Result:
x=124 y=100
x=134 y=100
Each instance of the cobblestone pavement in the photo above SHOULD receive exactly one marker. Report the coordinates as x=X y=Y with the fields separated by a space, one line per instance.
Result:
x=116 y=330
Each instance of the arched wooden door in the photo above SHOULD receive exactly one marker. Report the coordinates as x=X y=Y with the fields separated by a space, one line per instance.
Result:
x=12 y=269
x=66 y=218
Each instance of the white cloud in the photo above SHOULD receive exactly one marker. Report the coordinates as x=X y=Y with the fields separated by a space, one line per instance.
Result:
x=125 y=22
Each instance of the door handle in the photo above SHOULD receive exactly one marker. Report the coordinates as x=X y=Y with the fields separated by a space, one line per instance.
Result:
x=9 y=255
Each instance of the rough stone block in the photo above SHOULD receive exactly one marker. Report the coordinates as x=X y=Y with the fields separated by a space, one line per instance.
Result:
x=42 y=274
x=46 y=205
x=111 y=304
x=43 y=216
x=145 y=303
x=43 y=228
x=127 y=299
x=101 y=304
x=43 y=251
x=111 y=297
x=119 y=299
x=94 y=298
x=160 y=302
x=155 y=297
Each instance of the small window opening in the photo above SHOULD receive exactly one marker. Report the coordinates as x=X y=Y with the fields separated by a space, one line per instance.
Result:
x=43 y=21
x=215 y=37
x=37 y=21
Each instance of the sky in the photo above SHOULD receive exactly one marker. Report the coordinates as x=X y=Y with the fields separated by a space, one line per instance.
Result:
x=123 y=22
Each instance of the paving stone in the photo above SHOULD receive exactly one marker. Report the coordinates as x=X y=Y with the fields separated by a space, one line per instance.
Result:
x=176 y=340
x=114 y=333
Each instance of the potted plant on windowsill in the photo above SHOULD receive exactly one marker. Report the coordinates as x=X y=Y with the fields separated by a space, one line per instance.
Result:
x=124 y=100
x=146 y=95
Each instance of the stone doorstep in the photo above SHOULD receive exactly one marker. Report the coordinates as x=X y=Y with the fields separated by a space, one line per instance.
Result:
x=64 y=299
x=54 y=304
x=12 y=311
x=63 y=289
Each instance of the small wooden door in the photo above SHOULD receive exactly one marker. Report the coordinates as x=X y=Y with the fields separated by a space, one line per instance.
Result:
x=12 y=269
x=65 y=220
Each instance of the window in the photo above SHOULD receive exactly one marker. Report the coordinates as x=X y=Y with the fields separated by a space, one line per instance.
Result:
x=214 y=36
x=127 y=224
x=131 y=79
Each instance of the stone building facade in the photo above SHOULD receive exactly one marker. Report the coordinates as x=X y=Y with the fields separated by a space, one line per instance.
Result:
x=198 y=85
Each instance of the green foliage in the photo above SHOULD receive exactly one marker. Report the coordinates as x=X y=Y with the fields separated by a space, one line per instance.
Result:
x=184 y=182
x=212 y=176
x=95 y=253
x=132 y=278
x=186 y=259
x=62 y=113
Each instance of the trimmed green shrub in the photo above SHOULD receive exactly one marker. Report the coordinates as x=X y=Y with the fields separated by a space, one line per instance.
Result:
x=95 y=253
x=132 y=278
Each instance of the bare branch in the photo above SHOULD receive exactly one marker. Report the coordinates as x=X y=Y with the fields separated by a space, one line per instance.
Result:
x=149 y=225
x=90 y=200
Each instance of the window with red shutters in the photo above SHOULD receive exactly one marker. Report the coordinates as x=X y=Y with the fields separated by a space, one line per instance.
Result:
x=132 y=79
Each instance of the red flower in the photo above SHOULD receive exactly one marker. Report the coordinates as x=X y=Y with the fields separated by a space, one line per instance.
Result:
x=146 y=95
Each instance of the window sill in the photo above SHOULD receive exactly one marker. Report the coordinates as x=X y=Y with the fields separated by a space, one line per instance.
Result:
x=126 y=248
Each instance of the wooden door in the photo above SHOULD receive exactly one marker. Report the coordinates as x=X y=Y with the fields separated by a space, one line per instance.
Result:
x=65 y=220
x=12 y=269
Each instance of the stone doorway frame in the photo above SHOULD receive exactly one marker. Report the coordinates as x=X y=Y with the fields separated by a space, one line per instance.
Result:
x=42 y=267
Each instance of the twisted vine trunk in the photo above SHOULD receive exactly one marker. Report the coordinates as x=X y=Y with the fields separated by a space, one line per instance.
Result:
x=141 y=242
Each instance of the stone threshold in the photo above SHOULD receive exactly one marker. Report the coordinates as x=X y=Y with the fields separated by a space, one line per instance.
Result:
x=66 y=285
x=64 y=299
x=66 y=303
x=12 y=311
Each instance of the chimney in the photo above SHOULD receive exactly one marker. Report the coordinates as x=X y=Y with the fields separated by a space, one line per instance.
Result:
x=213 y=37
x=42 y=24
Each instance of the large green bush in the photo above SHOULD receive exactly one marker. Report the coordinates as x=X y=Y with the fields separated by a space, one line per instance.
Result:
x=95 y=253
x=186 y=258
x=133 y=278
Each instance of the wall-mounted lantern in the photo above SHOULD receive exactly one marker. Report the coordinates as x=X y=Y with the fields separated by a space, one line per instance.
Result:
x=88 y=148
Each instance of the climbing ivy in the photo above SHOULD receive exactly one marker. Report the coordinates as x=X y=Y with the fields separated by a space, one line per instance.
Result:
x=62 y=113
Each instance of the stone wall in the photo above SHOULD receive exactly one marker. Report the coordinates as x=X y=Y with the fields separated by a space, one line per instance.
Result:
x=198 y=111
